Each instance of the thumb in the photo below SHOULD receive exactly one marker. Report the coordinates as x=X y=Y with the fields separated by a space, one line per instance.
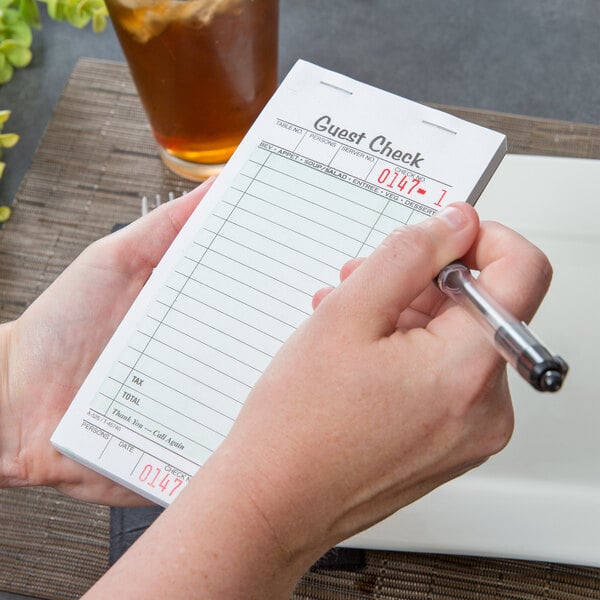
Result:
x=403 y=266
x=142 y=243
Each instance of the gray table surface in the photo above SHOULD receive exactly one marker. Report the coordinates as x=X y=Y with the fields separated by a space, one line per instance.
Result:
x=538 y=58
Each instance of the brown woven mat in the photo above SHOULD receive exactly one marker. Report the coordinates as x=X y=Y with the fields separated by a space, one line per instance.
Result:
x=96 y=159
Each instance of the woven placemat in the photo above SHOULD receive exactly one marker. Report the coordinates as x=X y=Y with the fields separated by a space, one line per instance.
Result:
x=50 y=545
x=96 y=159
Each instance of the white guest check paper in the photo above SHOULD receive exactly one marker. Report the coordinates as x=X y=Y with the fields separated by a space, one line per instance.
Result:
x=329 y=168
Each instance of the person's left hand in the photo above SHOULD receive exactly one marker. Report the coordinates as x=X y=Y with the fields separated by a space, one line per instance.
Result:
x=47 y=352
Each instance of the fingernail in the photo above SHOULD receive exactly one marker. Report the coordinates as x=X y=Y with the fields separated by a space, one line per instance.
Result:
x=454 y=217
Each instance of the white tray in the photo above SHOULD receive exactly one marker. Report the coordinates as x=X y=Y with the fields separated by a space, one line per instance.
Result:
x=540 y=498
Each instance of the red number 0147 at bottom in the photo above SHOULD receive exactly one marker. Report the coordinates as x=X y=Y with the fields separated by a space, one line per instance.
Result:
x=160 y=480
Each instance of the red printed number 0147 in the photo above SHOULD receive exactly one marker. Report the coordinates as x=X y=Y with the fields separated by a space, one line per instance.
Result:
x=408 y=185
x=158 y=479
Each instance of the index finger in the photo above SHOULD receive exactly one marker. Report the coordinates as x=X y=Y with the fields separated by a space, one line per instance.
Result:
x=400 y=269
x=513 y=271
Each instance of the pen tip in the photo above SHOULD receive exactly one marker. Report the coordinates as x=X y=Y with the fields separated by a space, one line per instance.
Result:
x=551 y=381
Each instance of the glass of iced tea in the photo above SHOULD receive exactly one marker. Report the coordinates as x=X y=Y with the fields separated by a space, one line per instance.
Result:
x=203 y=69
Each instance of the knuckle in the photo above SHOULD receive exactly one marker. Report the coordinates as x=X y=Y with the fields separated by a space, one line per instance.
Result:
x=499 y=434
x=487 y=412
x=542 y=266
x=535 y=274
x=408 y=240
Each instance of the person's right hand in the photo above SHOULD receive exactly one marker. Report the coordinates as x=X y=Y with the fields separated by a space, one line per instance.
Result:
x=390 y=389
x=386 y=392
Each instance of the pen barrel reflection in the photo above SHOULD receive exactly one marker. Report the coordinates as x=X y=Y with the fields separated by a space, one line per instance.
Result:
x=513 y=339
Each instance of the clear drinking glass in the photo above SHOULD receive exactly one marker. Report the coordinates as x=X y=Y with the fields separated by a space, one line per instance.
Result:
x=203 y=69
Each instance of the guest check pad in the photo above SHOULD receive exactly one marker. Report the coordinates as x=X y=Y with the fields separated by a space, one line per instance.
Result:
x=329 y=168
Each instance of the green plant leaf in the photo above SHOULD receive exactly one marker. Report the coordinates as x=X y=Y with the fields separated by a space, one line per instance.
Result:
x=20 y=32
x=6 y=70
x=4 y=210
x=53 y=8
x=4 y=4
x=16 y=54
x=76 y=14
x=9 y=17
x=28 y=9
x=8 y=140
x=99 y=21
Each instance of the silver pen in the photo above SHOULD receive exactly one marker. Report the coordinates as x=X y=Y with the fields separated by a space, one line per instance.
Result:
x=512 y=338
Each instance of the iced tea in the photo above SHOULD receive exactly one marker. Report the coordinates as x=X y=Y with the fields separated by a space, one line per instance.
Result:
x=203 y=69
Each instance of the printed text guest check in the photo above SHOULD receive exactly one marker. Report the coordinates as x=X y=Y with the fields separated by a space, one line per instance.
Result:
x=330 y=167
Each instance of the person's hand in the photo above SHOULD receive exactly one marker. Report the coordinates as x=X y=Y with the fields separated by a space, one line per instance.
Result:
x=50 y=349
x=387 y=391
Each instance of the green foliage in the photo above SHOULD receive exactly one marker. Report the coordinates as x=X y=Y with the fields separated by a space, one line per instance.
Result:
x=28 y=9
x=17 y=17
x=15 y=40
x=79 y=12
x=7 y=140
x=4 y=214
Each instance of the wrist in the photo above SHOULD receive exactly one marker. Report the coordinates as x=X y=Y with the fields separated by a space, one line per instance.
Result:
x=260 y=529
x=292 y=521
x=222 y=538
